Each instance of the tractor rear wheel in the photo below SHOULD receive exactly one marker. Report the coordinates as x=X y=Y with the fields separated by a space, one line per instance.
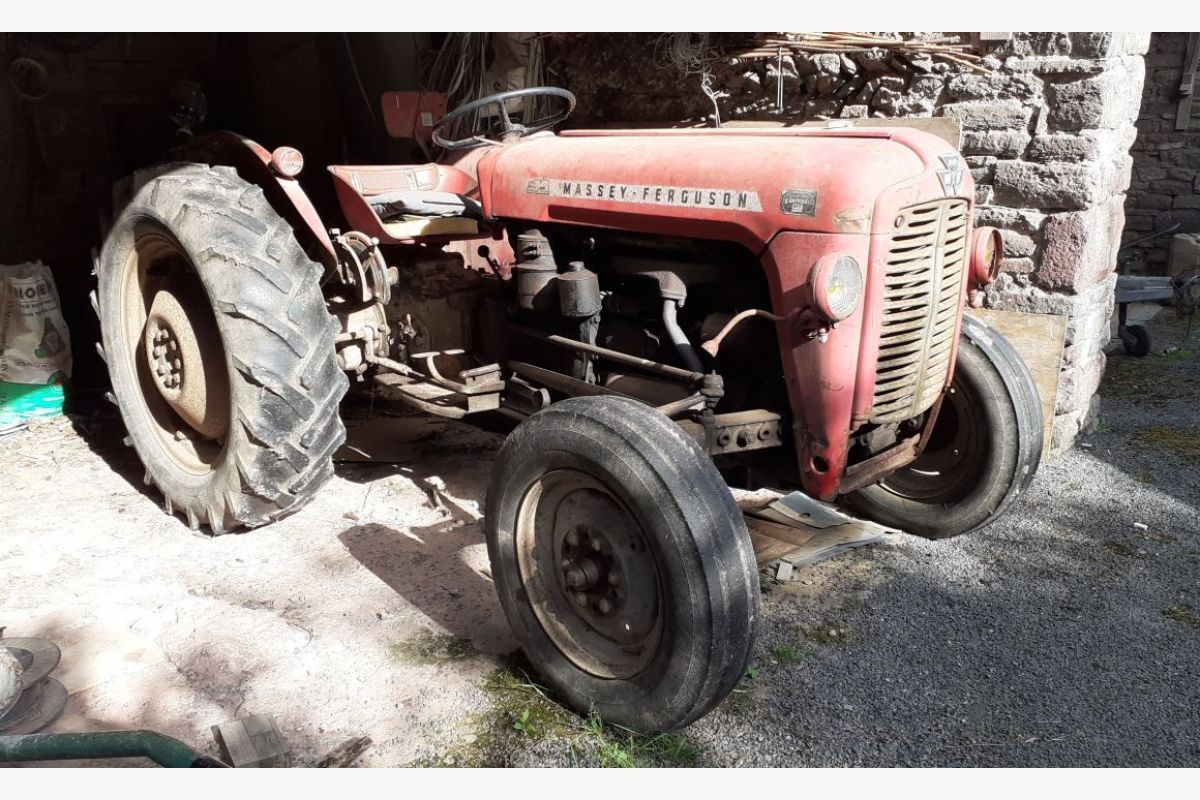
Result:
x=622 y=562
x=983 y=452
x=219 y=348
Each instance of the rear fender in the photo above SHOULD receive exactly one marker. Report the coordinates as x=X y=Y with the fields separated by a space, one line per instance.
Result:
x=253 y=163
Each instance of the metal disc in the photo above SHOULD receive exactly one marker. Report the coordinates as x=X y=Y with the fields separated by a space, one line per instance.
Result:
x=38 y=658
x=10 y=681
x=39 y=706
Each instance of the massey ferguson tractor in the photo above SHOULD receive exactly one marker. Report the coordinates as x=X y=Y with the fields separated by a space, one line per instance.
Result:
x=667 y=311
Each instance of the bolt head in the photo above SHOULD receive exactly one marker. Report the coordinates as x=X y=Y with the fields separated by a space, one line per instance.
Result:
x=581 y=599
x=572 y=538
x=604 y=606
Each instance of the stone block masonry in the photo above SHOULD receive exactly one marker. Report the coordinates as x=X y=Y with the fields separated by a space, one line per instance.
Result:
x=1165 y=185
x=1046 y=134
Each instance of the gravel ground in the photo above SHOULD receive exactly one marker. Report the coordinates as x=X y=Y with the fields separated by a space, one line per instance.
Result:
x=1067 y=634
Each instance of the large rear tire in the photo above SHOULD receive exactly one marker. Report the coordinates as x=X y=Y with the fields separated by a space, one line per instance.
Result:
x=622 y=563
x=983 y=452
x=219 y=348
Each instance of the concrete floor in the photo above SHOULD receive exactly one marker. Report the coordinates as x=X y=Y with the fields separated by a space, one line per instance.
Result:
x=1067 y=634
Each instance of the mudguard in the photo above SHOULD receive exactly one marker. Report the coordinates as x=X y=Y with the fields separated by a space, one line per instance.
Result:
x=253 y=163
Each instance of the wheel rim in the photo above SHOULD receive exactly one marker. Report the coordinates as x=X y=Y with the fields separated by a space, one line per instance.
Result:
x=953 y=458
x=589 y=573
x=175 y=350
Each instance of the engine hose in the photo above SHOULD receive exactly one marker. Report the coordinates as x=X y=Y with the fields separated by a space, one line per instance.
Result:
x=678 y=338
x=714 y=344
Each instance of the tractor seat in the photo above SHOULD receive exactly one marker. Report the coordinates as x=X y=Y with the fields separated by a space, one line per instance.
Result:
x=403 y=204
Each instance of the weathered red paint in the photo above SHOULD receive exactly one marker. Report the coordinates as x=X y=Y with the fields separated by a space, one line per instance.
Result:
x=862 y=178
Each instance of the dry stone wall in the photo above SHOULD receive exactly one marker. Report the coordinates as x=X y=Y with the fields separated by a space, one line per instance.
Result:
x=1046 y=133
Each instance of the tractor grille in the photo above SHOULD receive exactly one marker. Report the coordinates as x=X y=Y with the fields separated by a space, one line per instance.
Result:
x=922 y=287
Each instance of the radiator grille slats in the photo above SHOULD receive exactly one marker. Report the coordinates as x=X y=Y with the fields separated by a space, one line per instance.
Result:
x=922 y=285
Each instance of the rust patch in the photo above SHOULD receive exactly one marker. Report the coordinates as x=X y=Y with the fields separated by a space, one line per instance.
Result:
x=853 y=220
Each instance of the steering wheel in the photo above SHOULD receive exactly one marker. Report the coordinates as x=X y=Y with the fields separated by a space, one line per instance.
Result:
x=509 y=130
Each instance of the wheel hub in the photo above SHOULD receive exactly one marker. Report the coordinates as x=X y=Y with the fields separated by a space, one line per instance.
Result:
x=590 y=573
x=186 y=376
x=164 y=355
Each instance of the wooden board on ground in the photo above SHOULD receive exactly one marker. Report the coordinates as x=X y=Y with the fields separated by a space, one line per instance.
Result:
x=1038 y=338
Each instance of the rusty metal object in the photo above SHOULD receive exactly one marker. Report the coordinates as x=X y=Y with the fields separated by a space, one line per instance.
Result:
x=572 y=387
x=739 y=431
x=864 y=473
x=430 y=391
x=653 y=367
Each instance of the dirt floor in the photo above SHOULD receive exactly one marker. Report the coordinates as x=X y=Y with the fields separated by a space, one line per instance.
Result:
x=1067 y=634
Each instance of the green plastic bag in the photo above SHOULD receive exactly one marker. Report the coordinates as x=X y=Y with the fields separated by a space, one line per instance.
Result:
x=35 y=350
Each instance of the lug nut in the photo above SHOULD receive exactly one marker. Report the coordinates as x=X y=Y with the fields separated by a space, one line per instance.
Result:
x=576 y=579
x=581 y=599
x=604 y=606
x=572 y=538
x=565 y=564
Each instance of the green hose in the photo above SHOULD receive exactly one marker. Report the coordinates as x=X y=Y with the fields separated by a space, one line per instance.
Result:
x=162 y=750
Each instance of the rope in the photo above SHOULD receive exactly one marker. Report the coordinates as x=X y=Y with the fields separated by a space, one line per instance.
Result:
x=690 y=53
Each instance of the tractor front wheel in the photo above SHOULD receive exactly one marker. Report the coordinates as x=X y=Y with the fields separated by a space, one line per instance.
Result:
x=982 y=453
x=622 y=563
x=219 y=348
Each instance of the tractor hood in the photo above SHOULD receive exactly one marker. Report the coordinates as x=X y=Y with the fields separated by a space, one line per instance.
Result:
x=743 y=185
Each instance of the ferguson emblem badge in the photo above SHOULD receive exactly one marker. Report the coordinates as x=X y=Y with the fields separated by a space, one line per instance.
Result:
x=682 y=196
x=952 y=176
x=799 y=202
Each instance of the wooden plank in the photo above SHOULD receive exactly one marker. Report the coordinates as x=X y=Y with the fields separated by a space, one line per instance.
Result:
x=947 y=128
x=1038 y=339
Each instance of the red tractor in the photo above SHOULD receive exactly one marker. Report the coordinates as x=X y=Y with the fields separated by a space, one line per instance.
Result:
x=668 y=312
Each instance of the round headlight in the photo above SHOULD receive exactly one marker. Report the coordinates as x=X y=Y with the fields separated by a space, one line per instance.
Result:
x=836 y=283
x=987 y=248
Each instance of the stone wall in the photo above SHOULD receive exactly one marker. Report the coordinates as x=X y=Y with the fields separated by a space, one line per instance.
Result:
x=1165 y=189
x=1046 y=133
